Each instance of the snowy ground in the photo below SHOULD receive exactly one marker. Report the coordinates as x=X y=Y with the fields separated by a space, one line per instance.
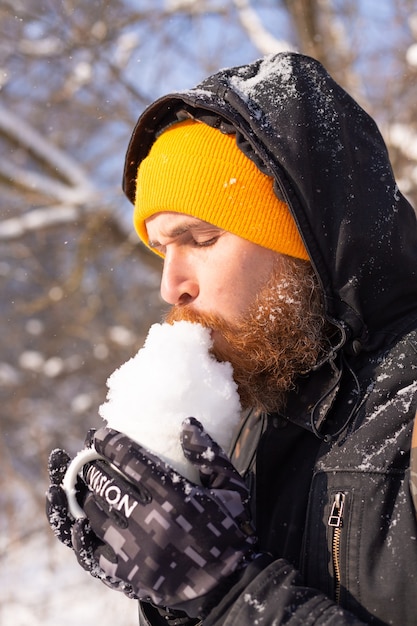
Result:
x=41 y=584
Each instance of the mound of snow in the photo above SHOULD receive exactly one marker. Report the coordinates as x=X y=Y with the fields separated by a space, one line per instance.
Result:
x=173 y=377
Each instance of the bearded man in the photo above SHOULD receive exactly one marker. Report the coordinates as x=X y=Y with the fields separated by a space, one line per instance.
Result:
x=269 y=195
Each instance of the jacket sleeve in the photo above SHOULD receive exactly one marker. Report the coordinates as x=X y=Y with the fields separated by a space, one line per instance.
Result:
x=150 y=615
x=270 y=592
x=413 y=465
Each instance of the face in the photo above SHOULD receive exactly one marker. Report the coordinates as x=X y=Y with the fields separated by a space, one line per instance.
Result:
x=209 y=269
x=264 y=309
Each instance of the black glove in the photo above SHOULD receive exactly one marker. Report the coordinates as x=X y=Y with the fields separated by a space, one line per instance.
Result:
x=62 y=522
x=173 y=541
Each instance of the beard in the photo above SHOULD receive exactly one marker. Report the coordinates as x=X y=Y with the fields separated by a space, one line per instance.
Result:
x=281 y=335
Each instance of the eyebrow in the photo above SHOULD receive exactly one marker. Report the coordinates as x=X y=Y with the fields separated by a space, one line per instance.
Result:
x=181 y=229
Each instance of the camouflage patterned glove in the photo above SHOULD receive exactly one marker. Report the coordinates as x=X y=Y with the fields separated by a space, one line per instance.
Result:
x=175 y=542
x=63 y=524
x=57 y=511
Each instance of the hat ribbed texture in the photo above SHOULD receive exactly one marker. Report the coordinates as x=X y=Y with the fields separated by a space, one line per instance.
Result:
x=195 y=169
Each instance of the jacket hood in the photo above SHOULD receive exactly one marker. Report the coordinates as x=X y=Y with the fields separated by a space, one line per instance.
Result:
x=330 y=165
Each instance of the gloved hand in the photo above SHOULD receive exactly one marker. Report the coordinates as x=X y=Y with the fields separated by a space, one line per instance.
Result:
x=62 y=522
x=173 y=541
x=57 y=513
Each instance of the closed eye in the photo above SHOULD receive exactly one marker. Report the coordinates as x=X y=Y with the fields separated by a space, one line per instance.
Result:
x=157 y=247
x=195 y=234
x=206 y=243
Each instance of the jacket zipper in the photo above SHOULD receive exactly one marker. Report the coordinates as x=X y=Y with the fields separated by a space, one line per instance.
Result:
x=335 y=522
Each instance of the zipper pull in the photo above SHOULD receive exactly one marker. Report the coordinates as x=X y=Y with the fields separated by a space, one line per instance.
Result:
x=335 y=521
x=336 y=514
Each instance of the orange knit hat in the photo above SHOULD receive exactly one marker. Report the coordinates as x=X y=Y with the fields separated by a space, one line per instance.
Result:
x=195 y=169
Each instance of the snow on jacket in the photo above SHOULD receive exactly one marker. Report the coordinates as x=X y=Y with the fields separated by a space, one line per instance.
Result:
x=331 y=482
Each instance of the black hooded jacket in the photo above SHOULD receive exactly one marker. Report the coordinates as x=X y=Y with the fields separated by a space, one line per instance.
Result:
x=332 y=499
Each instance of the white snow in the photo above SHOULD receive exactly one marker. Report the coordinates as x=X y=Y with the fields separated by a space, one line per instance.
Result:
x=411 y=55
x=173 y=377
x=42 y=583
x=246 y=86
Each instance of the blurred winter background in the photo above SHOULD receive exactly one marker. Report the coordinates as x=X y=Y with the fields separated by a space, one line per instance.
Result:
x=78 y=293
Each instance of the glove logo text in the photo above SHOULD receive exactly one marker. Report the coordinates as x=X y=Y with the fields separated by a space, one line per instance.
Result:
x=112 y=494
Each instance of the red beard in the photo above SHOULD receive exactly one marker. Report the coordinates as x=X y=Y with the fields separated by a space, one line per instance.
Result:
x=280 y=336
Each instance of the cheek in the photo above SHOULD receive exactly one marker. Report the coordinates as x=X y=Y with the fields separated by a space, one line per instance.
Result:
x=231 y=295
x=221 y=292
x=231 y=279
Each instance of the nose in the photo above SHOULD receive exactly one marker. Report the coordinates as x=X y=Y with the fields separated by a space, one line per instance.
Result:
x=179 y=283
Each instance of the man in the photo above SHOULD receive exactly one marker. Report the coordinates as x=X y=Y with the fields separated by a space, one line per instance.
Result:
x=269 y=194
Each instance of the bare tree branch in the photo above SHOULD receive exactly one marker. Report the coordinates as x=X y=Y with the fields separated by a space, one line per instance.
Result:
x=261 y=38
x=45 y=185
x=23 y=133
x=38 y=219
